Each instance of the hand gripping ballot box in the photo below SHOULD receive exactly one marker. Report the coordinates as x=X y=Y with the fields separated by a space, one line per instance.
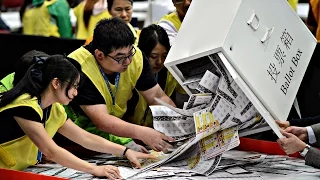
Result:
x=263 y=44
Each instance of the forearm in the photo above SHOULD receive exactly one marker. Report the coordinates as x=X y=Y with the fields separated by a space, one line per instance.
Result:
x=118 y=127
x=99 y=144
x=166 y=99
x=65 y=158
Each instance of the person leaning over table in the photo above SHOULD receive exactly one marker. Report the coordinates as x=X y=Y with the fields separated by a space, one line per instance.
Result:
x=113 y=67
x=31 y=115
x=154 y=43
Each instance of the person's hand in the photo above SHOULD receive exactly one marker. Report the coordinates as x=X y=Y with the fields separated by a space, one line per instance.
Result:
x=300 y=132
x=290 y=143
x=156 y=140
x=283 y=124
x=134 y=156
x=143 y=149
x=108 y=171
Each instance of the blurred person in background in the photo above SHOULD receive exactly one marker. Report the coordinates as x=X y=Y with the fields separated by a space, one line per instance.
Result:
x=89 y=13
x=46 y=18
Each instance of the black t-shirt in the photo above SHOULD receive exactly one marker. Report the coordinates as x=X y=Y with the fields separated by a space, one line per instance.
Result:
x=89 y=94
x=162 y=79
x=10 y=129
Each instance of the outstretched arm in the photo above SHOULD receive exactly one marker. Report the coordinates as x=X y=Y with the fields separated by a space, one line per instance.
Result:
x=99 y=144
x=113 y=125
x=157 y=92
x=38 y=135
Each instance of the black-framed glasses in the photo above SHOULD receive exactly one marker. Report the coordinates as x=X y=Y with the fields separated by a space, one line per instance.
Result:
x=120 y=60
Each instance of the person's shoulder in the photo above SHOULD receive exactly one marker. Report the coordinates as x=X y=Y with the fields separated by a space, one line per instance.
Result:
x=27 y=101
x=78 y=8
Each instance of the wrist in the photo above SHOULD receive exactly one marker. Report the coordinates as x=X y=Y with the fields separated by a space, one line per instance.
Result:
x=125 y=151
x=140 y=132
x=305 y=150
x=92 y=169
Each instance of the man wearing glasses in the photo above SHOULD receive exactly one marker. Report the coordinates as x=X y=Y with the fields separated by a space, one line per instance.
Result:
x=172 y=22
x=112 y=68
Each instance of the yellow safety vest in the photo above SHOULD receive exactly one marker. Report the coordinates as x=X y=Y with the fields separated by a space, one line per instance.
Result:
x=293 y=4
x=20 y=153
x=173 y=18
x=127 y=83
x=135 y=34
x=36 y=21
x=83 y=32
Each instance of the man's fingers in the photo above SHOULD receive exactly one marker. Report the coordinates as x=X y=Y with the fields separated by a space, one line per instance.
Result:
x=114 y=172
x=109 y=176
x=167 y=138
x=288 y=135
x=157 y=148
x=289 y=129
x=147 y=156
x=144 y=150
x=166 y=145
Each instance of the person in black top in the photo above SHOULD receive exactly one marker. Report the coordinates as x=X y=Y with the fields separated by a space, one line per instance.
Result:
x=33 y=108
x=113 y=67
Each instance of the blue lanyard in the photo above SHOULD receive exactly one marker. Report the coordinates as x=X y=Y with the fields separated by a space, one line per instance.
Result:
x=39 y=156
x=113 y=95
x=156 y=77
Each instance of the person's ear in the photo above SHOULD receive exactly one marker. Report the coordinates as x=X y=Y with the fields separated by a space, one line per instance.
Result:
x=56 y=83
x=98 y=54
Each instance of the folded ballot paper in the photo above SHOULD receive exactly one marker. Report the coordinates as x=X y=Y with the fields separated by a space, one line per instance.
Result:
x=242 y=66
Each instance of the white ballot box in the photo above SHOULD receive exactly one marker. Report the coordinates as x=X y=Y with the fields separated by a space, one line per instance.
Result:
x=263 y=45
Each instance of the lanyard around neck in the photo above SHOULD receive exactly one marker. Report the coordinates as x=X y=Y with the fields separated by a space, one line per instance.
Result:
x=45 y=118
x=157 y=74
x=113 y=94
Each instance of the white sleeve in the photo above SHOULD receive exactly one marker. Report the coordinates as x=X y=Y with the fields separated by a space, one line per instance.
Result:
x=311 y=135
x=170 y=29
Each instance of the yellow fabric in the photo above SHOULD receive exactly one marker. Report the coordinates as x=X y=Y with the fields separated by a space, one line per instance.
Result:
x=20 y=153
x=82 y=32
x=173 y=18
x=315 y=5
x=138 y=117
x=293 y=4
x=136 y=35
x=127 y=82
x=36 y=21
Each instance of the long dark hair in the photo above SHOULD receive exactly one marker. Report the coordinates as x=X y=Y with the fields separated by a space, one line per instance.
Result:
x=24 y=63
x=151 y=36
x=41 y=73
x=87 y=11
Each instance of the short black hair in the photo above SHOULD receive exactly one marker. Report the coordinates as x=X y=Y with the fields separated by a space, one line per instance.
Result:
x=152 y=35
x=110 y=4
x=111 y=34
